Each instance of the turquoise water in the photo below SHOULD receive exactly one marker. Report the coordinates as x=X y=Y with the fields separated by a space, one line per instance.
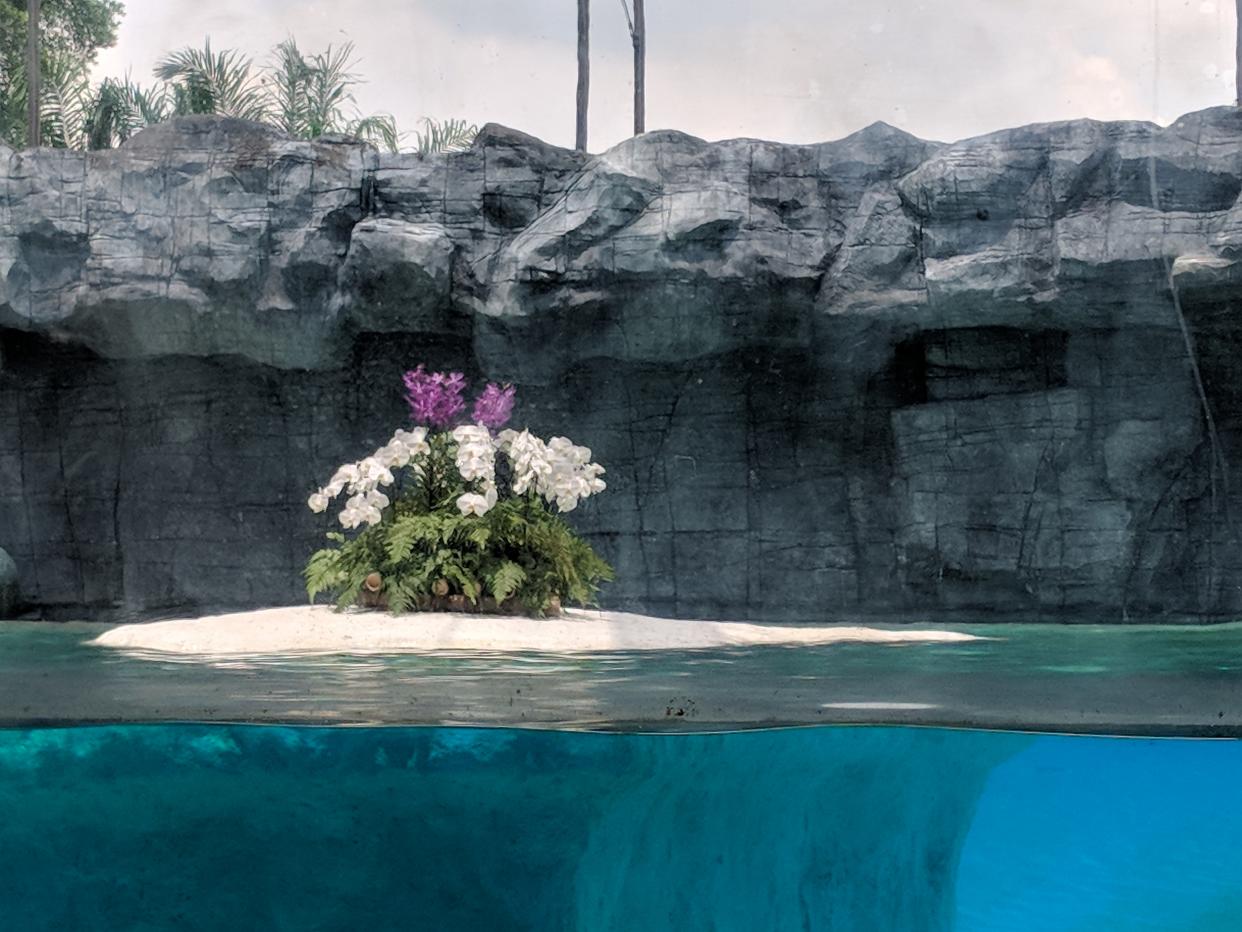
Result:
x=261 y=817
x=233 y=827
x=1096 y=679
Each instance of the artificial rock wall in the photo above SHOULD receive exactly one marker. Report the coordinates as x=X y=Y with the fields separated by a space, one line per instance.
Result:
x=879 y=375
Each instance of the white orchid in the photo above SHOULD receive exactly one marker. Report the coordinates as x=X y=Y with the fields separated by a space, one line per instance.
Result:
x=528 y=456
x=472 y=504
x=363 y=478
x=344 y=476
x=372 y=473
x=557 y=470
x=359 y=510
x=476 y=453
x=404 y=446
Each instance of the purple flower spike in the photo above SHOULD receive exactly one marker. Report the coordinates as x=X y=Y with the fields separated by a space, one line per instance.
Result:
x=494 y=406
x=434 y=398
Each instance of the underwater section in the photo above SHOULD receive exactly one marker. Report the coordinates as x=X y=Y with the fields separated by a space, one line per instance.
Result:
x=1124 y=835
x=213 y=827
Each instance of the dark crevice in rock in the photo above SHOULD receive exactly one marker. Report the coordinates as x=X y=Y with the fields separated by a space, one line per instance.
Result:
x=977 y=362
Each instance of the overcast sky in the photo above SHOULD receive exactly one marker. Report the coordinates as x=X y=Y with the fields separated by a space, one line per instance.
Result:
x=793 y=70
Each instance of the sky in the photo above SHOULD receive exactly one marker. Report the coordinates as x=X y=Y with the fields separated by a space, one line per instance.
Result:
x=791 y=70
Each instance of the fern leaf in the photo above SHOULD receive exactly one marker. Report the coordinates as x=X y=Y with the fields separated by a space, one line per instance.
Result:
x=323 y=572
x=349 y=594
x=401 y=596
x=506 y=580
x=469 y=585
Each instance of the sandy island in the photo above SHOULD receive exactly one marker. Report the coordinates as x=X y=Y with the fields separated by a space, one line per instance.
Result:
x=319 y=630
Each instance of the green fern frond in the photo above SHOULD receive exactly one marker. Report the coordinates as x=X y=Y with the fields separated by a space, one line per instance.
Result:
x=351 y=589
x=468 y=584
x=402 y=535
x=520 y=550
x=323 y=572
x=506 y=580
x=479 y=535
x=402 y=596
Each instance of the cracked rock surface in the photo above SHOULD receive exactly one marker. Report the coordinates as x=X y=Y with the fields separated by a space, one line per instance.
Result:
x=9 y=592
x=873 y=376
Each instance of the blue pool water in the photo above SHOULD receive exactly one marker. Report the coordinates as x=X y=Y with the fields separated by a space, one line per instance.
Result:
x=232 y=827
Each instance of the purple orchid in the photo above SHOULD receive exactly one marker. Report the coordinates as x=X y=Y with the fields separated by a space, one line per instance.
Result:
x=434 y=397
x=494 y=406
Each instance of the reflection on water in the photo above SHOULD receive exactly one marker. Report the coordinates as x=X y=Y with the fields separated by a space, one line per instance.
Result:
x=1159 y=680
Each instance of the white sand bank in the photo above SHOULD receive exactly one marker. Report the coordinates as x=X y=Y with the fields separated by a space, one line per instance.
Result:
x=319 y=630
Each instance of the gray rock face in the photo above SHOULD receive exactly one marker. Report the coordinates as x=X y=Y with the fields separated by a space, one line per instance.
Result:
x=874 y=375
x=9 y=592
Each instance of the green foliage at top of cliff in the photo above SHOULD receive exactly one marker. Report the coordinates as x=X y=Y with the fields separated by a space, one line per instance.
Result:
x=71 y=30
x=307 y=95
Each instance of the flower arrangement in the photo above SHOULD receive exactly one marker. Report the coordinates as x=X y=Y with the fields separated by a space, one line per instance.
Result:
x=459 y=512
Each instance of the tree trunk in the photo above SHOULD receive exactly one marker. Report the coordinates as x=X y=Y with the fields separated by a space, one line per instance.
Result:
x=584 y=71
x=640 y=68
x=1238 y=57
x=33 y=92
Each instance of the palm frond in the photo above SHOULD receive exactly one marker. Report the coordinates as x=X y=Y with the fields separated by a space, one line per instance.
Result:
x=64 y=102
x=306 y=95
x=120 y=108
x=311 y=93
x=150 y=106
x=328 y=90
x=213 y=82
x=286 y=82
x=379 y=128
x=445 y=136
